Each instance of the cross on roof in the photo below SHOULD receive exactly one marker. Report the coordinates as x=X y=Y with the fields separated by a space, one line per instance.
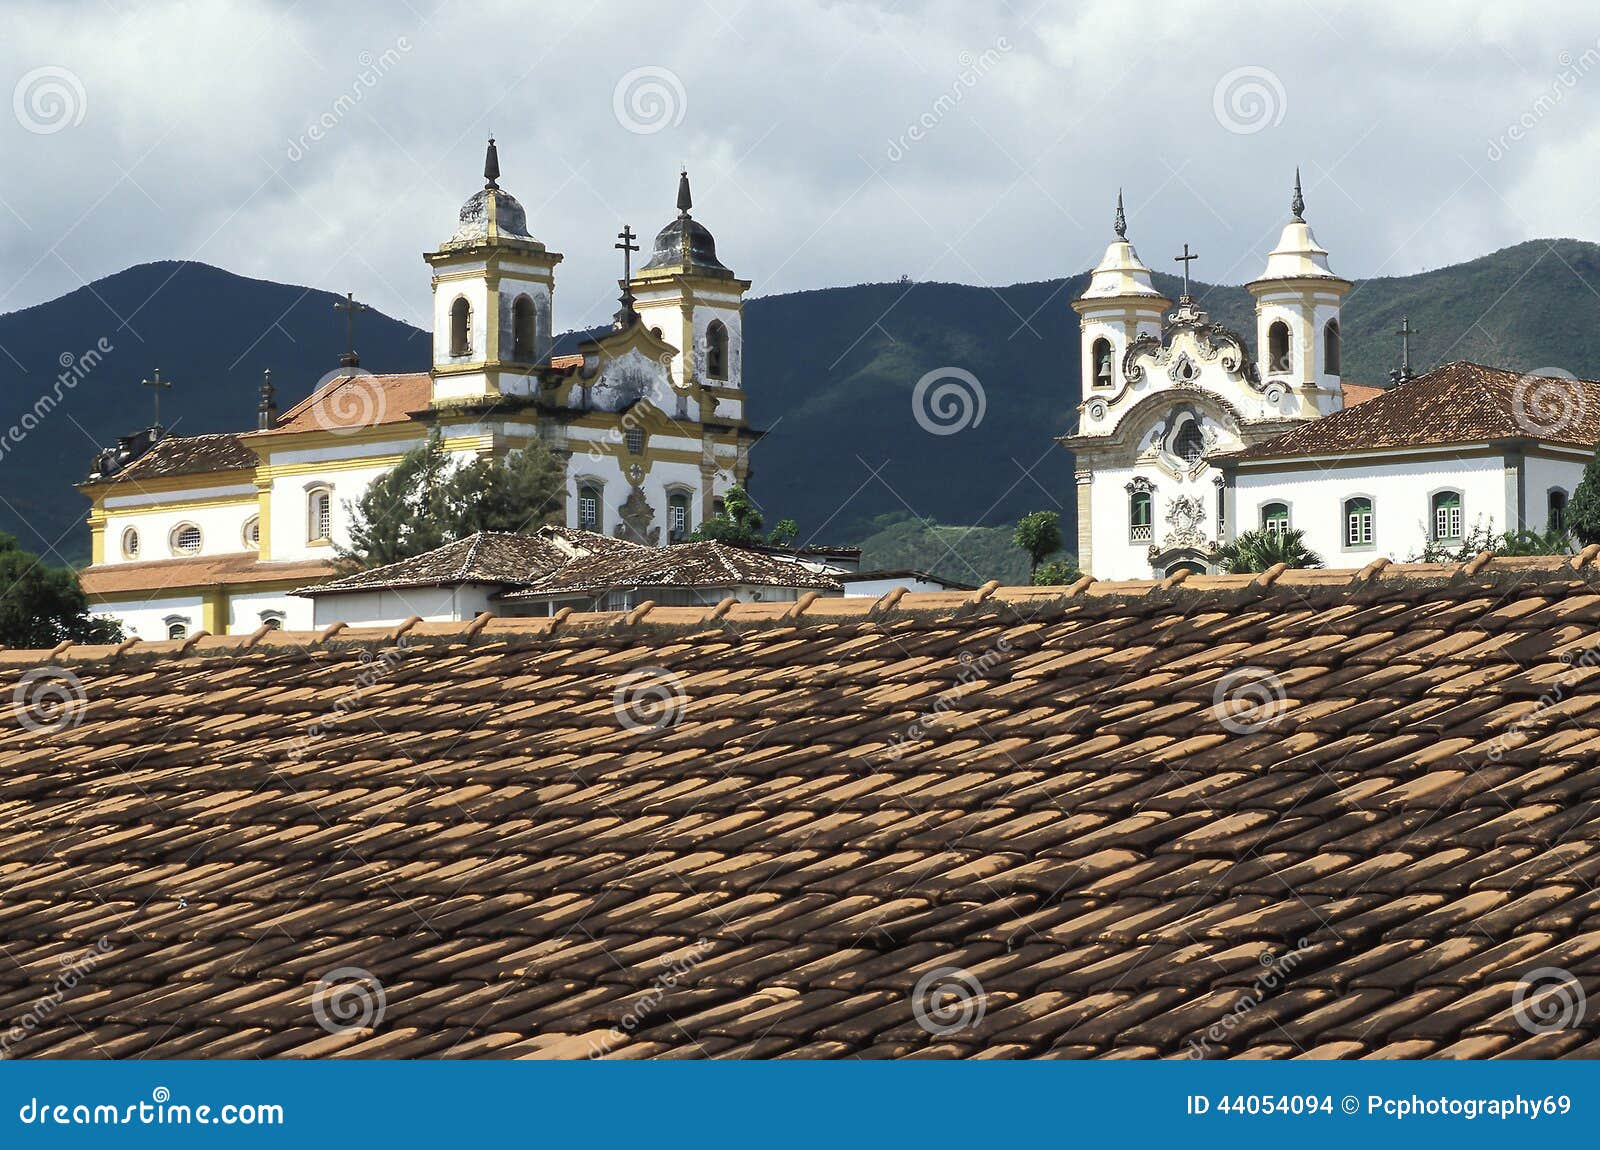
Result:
x=349 y=306
x=157 y=386
x=1185 y=259
x=626 y=317
x=1405 y=333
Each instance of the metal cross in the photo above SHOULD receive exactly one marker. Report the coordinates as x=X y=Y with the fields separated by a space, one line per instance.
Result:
x=157 y=385
x=627 y=247
x=626 y=316
x=1185 y=259
x=349 y=306
x=1405 y=333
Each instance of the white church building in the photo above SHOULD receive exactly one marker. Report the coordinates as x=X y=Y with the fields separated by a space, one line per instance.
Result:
x=1186 y=438
x=214 y=532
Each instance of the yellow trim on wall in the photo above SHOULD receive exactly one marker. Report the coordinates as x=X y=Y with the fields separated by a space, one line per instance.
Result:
x=184 y=505
x=264 y=515
x=214 y=610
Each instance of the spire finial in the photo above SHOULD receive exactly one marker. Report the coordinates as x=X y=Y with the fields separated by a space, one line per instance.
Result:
x=1298 y=204
x=685 y=201
x=491 y=165
x=1121 y=225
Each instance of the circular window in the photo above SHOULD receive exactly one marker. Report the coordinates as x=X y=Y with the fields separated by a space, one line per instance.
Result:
x=130 y=543
x=252 y=532
x=185 y=539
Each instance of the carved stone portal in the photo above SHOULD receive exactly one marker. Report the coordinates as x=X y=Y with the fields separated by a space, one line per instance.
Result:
x=637 y=517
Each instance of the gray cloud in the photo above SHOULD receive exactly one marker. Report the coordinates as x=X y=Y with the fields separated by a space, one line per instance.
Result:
x=829 y=142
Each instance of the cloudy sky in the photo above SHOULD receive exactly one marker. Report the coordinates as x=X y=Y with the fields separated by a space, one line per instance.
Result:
x=829 y=143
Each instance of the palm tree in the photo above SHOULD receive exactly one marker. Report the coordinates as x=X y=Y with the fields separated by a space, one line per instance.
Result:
x=1259 y=550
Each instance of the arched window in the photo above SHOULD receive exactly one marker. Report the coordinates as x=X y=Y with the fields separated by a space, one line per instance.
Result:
x=1278 y=347
x=1189 y=445
x=1447 y=515
x=1556 y=510
x=677 y=516
x=1275 y=518
x=1102 y=362
x=589 y=508
x=1141 y=517
x=1358 y=522
x=177 y=629
x=273 y=620
x=319 y=515
x=717 y=350
x=524 y=338
x=130 y=543
x=252 y=533
x=185 y=539
x=1330 y=347
x=461 y=327
x=1188 y=565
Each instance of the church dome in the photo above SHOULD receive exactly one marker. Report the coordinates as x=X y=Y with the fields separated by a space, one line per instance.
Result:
x=1120 y=272
x=685 y=244
x=492 y=213
x=1298 y=255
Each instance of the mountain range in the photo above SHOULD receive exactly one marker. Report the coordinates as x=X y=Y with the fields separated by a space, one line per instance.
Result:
x=831 y=373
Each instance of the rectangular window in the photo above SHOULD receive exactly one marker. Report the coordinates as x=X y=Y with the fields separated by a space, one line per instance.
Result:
x=589 y=511
x=1447 y=515
x=1358 y=523
x=635 y=441
x=679 y=523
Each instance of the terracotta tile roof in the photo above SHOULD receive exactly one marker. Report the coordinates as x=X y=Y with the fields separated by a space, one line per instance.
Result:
x=1459 y=403
x=1355 y=393
x=1061 y=810
x=349 y=402
x=486 y=557
x=187 y=455
x=198 y=571
x=688 y=565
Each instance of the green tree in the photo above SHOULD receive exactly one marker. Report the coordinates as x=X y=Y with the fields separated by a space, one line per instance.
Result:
x=422 y=503
x=1057 y=572
x=1258 y=550
x=740 y=521
x=1583 y=512
x=521 y=491
x=1038 y=536
x=42 y=606
x=401 y=513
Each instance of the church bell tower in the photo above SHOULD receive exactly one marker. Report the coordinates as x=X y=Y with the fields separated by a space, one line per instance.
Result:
x=493 y=285
x=1298 y=336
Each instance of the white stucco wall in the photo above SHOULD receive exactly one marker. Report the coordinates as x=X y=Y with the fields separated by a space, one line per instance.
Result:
x=1400 y=489
x=221 y=525
x=389 y=608
x=147 y=618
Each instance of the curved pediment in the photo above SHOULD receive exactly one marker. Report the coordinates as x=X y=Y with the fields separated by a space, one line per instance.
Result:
x=1190 y=348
